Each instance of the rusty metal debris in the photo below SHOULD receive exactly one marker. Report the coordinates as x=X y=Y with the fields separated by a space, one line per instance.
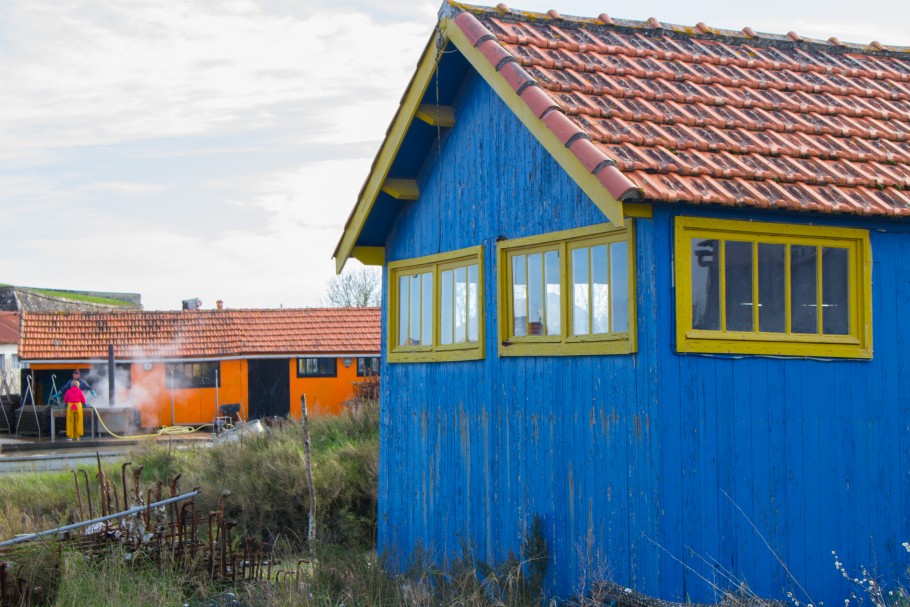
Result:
x=149 y=526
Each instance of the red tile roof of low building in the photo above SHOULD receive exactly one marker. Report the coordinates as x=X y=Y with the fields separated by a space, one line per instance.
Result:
x=9 y=327
x=701 y=115
x=200 y=333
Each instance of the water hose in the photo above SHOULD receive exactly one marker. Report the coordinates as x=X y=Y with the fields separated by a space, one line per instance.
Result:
x=164 y=431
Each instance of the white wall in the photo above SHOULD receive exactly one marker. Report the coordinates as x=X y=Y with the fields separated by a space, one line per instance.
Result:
x=9 y=368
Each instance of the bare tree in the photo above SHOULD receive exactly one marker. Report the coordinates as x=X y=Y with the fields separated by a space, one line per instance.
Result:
x=357 y=288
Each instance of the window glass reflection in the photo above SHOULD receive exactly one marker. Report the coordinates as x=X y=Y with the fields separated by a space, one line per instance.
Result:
x=705 y=284
x=803 y=289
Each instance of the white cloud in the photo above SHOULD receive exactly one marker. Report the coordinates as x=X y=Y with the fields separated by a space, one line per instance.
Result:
x=99 y=94
x=121 y=70
x=126 y=187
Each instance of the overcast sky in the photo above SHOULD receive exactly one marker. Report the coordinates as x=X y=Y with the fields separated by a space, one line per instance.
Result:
x=214 y=148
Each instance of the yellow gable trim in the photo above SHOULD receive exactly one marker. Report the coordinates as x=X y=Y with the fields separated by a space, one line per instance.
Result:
x=587 y=181
x=387 y=152
x=411 y=108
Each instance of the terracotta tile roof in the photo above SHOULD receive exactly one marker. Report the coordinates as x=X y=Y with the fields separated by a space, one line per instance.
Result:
x=701 y=115
x=200 y=333
x=9 y=327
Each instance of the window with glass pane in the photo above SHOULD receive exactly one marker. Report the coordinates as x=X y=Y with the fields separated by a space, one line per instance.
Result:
x=415 y=311
x=368 y=367
x=738 y=296
x=835 y=291
x=785 y=284
x=437 y=309
x=192 y=375
x=600 y=296
x=536 y=294
x=705 y=284
x=566 y=291
x=317 y=367
x=458 y=305
x=746 y=264
x=772 y=282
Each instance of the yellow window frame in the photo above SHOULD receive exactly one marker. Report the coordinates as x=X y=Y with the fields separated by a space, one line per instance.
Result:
x=435 y=265
x=856 y=344
x=565 y=344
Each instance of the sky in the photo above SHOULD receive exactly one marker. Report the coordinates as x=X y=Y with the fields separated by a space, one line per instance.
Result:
x=214 y=149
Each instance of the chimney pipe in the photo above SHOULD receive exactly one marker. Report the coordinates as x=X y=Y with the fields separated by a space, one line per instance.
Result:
x=110 y=375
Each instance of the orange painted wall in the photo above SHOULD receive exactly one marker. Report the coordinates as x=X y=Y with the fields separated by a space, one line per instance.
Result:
x=149 y=393
x=191 y=405
x=324 y=395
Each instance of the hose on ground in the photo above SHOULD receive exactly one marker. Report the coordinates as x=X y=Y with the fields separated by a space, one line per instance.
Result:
x=164 y=431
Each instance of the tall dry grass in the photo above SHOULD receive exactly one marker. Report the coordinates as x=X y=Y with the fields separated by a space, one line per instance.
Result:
x=265 y=479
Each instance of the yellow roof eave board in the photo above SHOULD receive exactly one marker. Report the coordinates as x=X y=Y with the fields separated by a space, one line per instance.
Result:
x=587 y=181
x=390 y=146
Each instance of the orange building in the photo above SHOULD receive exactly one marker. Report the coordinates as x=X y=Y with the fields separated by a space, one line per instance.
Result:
x=182 y=367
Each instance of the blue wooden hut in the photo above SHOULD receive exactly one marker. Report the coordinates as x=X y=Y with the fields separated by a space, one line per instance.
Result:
x=647 y=283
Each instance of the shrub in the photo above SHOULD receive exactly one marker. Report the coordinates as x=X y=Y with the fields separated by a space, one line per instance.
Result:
x=265 y=479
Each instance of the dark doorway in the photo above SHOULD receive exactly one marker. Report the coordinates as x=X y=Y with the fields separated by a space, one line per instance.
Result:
x=270 y=388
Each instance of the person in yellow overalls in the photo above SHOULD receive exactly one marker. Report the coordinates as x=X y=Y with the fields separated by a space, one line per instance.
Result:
x=74 y=399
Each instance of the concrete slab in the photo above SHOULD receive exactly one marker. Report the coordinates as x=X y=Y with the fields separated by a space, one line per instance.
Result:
x=47 y=462
x=19 y=444
x=29 y=454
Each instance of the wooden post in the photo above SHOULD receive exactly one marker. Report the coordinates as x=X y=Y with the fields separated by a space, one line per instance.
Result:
x=311 y=523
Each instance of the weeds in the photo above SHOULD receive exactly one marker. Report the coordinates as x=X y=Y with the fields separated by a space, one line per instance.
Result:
x=342 y=577
x=266 y=478
x=31 y=502
x=33 y=576
x=117 y=580
x=867 y=588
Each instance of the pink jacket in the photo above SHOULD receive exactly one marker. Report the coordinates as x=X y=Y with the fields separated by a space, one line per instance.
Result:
x=74 y=395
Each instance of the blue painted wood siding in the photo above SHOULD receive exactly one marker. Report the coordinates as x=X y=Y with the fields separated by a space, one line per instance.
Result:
x=673 y=474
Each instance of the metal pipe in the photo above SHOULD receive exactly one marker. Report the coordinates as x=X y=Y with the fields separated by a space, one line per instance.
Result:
x=112 y=486
x=173 y=418
x=101 y=487
x=59 y=398
x=123 y=468
x=148 y=514
x=110 y=375
x=33 y=536
x=3 y=567
x=217 y=399
x=78 y=494
x=88 y=494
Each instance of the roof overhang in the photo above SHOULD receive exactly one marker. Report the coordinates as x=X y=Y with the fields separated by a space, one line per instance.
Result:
x=378 y=204
x=89 y=360
x=351 y=243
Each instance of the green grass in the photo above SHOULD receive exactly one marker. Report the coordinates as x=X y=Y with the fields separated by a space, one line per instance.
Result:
x=114 y=581
x=107 y=301
x=32 y=502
